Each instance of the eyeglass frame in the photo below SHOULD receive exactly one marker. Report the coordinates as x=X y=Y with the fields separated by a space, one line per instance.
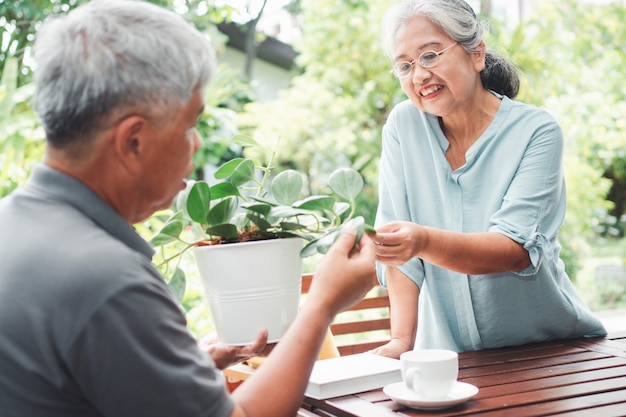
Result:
x=419 y=58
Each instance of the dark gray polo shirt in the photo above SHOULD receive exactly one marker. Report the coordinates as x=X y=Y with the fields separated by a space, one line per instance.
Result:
x=87 y=326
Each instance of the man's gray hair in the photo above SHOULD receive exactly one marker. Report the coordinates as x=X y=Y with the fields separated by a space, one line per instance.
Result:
x=115 y=55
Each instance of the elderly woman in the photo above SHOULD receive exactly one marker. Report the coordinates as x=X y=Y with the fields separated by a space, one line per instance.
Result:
x=472 y=195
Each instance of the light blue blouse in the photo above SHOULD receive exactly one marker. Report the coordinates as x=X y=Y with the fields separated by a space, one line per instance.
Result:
x=512 y=183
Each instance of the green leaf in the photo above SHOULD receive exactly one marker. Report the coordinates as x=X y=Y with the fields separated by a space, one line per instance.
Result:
x=288 y=211
x=243 y=173
x=309 y=249
x=323 y=244
x=222 y=211
x=194 y=201
x=264 y=201
x=320 y=245
x=258 y=207
x=359 y=224
x=169 y=233
x=285 y=233
x=291 y=226
x=227 y=169
x=287 y=186
x=225 y=230
x=306 y=236
x=259 y=221
x=346 y=182
x=177 y=283
x=316 y=202
x=224 y=189
x=245 y=141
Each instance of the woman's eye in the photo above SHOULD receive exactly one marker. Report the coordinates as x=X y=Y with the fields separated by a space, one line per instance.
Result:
x=404 y=67
x=428 y=57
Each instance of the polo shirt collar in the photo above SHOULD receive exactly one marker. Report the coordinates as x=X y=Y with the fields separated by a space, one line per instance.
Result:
x=66 y=188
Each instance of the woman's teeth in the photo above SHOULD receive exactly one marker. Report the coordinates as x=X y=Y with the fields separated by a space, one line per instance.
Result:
x=431 y=90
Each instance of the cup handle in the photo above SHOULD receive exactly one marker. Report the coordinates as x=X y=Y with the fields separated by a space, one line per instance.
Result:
x=411 y=373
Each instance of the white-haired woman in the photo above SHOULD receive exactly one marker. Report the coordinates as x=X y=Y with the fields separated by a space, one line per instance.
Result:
x=471 y=193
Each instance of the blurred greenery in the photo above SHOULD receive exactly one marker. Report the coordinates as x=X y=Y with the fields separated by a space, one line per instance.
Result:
x=572 y=56
x=338 y=103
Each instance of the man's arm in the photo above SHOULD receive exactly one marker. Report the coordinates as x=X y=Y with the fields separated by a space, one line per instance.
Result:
x=343 y=277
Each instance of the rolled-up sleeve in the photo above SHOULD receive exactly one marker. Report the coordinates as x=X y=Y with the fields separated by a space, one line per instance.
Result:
x=534 y=205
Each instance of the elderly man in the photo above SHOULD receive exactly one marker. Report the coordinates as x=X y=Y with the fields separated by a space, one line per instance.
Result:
x=87 y=325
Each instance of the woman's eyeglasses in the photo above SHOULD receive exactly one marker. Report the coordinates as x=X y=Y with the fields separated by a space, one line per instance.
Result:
x=426 y=60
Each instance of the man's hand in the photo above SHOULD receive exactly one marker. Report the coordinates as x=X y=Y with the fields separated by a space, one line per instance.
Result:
x=224 y=355
x=345 y=274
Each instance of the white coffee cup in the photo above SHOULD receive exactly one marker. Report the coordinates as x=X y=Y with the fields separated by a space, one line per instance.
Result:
x=430 y=373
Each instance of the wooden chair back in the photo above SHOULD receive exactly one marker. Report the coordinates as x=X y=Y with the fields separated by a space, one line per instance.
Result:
x=364 y=326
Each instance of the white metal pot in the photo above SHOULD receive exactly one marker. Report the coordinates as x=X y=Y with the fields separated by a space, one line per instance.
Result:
x=251 y=286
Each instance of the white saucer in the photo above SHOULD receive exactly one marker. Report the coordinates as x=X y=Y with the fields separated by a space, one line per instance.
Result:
x=461 y=392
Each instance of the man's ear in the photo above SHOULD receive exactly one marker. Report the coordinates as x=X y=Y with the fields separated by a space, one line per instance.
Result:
x=130 y=141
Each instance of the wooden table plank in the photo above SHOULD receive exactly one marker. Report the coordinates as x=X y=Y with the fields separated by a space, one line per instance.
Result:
x=469 y=360
x=537 y=403
x=501 y=368
x=550 y=382
x=568 y=406
x=616 y=347
x=486 y=353
x=613 y=410
x=543 y=372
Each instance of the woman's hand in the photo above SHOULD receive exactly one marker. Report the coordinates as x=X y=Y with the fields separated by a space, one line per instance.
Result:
x=393 y=349
x=224 y=355
x=398 y=242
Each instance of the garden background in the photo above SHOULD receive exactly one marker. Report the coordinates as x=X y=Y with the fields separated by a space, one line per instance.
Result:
x=572 y=55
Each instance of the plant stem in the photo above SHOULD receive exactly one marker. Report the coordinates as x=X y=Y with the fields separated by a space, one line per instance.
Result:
x=179 y=254
x=267 y=172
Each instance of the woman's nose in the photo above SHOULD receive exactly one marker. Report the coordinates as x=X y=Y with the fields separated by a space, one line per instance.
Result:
x=420 y=74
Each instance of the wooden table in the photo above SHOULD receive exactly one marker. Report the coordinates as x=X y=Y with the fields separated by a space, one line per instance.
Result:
x=578 y=377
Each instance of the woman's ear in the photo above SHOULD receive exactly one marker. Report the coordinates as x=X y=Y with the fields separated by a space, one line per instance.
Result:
x=479 y=57
x=130 y=140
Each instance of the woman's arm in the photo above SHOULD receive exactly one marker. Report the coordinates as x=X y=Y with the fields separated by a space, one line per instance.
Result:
x=468 y=253
x=403 y=298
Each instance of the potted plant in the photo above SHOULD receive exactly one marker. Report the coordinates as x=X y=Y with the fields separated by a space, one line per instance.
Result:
x=232 y=224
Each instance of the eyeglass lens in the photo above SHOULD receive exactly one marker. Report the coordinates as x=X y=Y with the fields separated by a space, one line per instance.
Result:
x=427 y=59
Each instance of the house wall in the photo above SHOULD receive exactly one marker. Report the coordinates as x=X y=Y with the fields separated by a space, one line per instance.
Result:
x=267 y=79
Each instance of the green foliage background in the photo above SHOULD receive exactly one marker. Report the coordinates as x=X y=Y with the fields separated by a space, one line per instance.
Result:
x=334 y=112
x=572 y=56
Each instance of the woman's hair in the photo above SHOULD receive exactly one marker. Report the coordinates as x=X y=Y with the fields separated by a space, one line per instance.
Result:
x=114 y=57
x=457 y=19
